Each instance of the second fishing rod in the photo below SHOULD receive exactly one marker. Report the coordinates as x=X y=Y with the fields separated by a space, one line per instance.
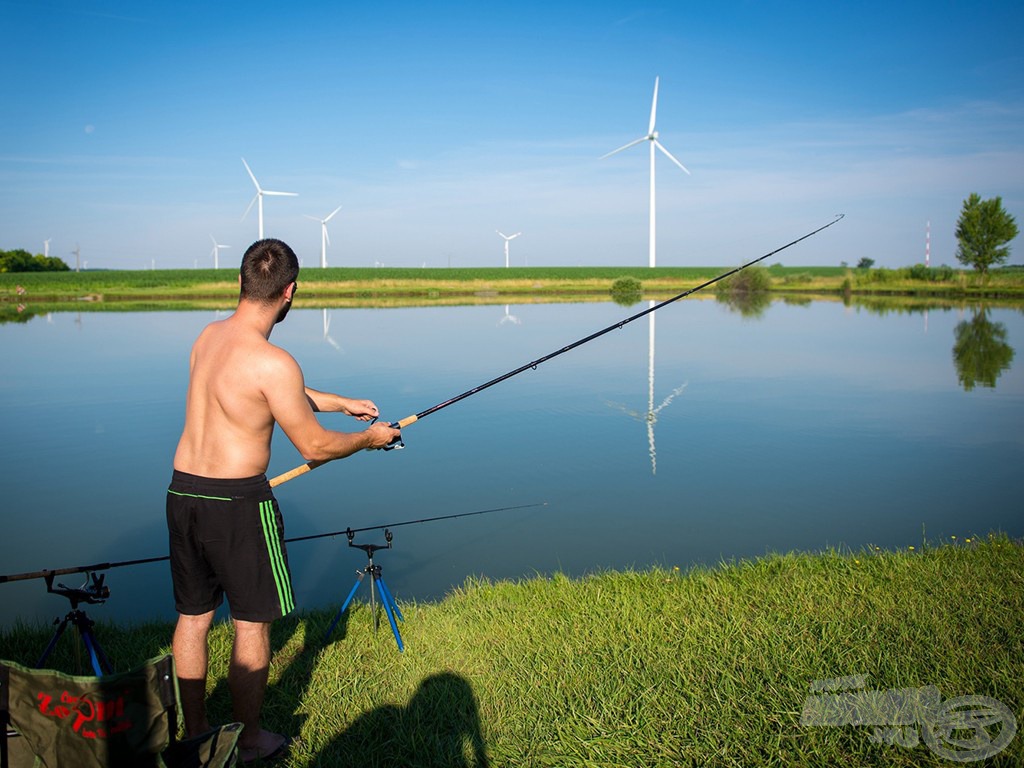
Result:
x=402 y=423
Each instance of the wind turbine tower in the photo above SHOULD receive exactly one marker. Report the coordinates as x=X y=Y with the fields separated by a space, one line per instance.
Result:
x=325 y=239
x=78 y=258
x=506 y=238
x=46 y=247
x=216 y=252
x=652 y=137
x=260 y=192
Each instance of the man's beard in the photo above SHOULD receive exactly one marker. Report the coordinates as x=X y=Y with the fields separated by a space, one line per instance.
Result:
x=283 y=313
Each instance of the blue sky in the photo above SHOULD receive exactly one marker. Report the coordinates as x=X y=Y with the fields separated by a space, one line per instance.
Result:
x=436 y=124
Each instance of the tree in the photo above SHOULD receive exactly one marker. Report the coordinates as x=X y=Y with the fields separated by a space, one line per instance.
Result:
x=983 y=231
x=865 y=263
x=20 y=260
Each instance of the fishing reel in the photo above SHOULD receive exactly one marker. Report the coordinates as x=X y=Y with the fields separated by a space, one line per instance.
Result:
x=395 y=444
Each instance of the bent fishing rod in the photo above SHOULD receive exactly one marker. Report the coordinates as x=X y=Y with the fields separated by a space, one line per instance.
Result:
x=50 y=574
x=532 y=365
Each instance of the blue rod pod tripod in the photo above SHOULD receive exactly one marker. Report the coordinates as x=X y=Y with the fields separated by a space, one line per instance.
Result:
x=376 y=585
x=92 y=592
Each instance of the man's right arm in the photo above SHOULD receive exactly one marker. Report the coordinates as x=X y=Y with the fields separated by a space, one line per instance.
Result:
x=282 y=385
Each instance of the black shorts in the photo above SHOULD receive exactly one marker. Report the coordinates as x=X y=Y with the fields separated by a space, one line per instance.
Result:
x=227 y=538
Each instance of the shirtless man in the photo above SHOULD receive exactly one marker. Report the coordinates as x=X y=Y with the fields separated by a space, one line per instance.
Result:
x=226 y=531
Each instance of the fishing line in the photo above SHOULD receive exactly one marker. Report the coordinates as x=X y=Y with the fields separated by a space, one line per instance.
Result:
x=49 y=574
x=532 y=365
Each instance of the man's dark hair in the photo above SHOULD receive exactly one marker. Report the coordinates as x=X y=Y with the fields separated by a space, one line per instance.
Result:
x=268 y=267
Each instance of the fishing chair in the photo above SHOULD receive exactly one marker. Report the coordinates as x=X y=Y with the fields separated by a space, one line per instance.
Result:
x=50 y=719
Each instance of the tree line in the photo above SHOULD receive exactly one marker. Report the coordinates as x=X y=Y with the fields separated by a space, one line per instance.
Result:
x=20 y=260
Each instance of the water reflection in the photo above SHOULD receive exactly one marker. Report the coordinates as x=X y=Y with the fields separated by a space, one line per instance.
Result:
x=750 y=304
x=509 y=318
x=327 y=329
x=650 y=418
x=980 y=351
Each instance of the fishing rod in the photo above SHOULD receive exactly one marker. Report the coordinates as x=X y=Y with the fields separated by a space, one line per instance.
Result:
x=532 y=365
x=349 y=531
x=50 y=574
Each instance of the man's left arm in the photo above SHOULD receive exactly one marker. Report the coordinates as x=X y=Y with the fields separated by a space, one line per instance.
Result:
x=327 y=402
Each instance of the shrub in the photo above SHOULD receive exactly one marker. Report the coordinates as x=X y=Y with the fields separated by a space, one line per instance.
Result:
x=626 y=291
x=749 y=280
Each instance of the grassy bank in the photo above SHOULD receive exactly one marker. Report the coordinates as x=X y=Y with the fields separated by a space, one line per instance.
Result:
x=337 y=286
x=656 y=668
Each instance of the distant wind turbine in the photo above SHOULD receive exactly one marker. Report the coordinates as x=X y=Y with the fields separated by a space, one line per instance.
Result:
x=78 y=258
x=652 y=137
x=46 y=247
x=325 y=239
x=260 y=192
x=507 y=238
x=216 y=251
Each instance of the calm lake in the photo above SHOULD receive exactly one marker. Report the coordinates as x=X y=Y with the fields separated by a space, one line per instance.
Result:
x=714 y=435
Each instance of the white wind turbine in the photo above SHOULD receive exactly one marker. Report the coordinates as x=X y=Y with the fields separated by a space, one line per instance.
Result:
x=652 y=137
x=46 y=247
x=506 y=239
x=260 y=192
x=325 y=239
x=216 y=252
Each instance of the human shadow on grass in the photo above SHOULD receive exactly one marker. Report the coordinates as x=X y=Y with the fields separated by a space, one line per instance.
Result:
x=440 y=726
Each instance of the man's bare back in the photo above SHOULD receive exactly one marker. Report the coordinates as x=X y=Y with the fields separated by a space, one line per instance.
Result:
x=228 y=422
x=240 y=385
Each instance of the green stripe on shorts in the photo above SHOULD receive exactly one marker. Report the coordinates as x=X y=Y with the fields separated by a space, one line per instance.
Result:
x=199 y=496
x=277 y=563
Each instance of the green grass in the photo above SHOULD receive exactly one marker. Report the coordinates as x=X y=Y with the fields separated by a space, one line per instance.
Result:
x=494 y=285
x=651 y=668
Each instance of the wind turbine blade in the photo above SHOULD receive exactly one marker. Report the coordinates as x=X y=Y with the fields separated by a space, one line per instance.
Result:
x=332 y=213
x=517 y=234
x=251 y=176
x=500 y=233
x=250 y=206
x=625 y=146
x=654 y=107
x=281 y=194
x=314 y=218
x=670 y=157
x=214 y=241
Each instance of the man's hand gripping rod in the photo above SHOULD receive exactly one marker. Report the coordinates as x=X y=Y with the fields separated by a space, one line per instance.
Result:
x=304 y=468
x=311 y=465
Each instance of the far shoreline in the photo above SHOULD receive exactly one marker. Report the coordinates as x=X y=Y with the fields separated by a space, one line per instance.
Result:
x=343 y=286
